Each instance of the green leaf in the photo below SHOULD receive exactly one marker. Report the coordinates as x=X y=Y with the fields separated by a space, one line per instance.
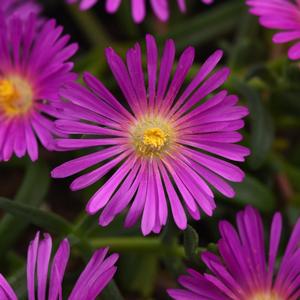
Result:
x=138 y=272
x=281 y=165
x=173 y=264
x=191 y=241
x=18 y=282
x=293 y=212
x=220 y=20
x=244 y=49
x=292 y=172
x=90 y=26
x=253 y=192
x=111 y=292
x=31 y=193
x=262 y=128
x=44 y=219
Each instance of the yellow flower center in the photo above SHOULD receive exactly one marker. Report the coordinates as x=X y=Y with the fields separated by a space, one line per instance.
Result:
x=16 y=96
x=265 y=296
x=155 y=138
x=152 y=136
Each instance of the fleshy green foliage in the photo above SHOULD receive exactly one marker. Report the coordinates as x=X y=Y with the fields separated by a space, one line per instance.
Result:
x=265 y=80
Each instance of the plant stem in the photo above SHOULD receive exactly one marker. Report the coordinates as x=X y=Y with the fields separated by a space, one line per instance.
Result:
x=90 y=26
x=111 y=292
x=128 y=244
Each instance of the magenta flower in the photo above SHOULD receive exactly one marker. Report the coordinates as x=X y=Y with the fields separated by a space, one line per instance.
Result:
x=33 y=67
x=163 y=146
x=244 y=271
x=19 y=8
x=96 y=275
x=283 y=15
x=160 y=8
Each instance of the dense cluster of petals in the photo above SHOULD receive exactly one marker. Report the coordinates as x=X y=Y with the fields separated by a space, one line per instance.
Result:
x=282 y=15
x=138 y=7
x=170 y=146
x=20 y=8
x=34 y=65
x=96 y=275
x=244 y=270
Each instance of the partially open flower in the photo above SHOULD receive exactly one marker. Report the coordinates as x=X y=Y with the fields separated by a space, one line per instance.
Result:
x=97 y=274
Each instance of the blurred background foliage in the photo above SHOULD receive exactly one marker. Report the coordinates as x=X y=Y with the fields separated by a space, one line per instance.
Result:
x=265 y=81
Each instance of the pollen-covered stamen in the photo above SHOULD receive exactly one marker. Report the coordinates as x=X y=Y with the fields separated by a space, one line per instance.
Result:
x=7 y=90
x=266 y=296
x=152 y=136
x=15 y=96
x=155 y=138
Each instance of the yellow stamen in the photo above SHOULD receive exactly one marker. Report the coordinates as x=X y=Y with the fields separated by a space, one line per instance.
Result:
x=265 y=296
x=15 y=96
x=7 y=89
x=152 y=136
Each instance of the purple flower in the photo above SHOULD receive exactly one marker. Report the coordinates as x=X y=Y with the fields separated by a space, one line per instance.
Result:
x=33 y=67
x=160 y=8
x=243 y=270
x=96 y=275
x=283 y=15
x=19 y=8
x=163 y=146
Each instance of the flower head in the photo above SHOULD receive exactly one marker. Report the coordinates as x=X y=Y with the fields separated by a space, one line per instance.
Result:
x=19 y=8
x=33 y=67
x=97 y=274
x=243 y=270
x=283 y=15
x=163 y=146
x=160 y=8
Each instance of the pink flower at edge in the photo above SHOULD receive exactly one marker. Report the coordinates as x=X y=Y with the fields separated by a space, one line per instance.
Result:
x=244 y=270
x=97 y=274
x=30 y=79
x=160 y=8
x=282 y=15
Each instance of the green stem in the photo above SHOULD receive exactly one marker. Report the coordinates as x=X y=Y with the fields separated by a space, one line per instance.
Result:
x=12 y=226
x=129 y=244
x=111 y=292
x=90 y=26
x=219 y=20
